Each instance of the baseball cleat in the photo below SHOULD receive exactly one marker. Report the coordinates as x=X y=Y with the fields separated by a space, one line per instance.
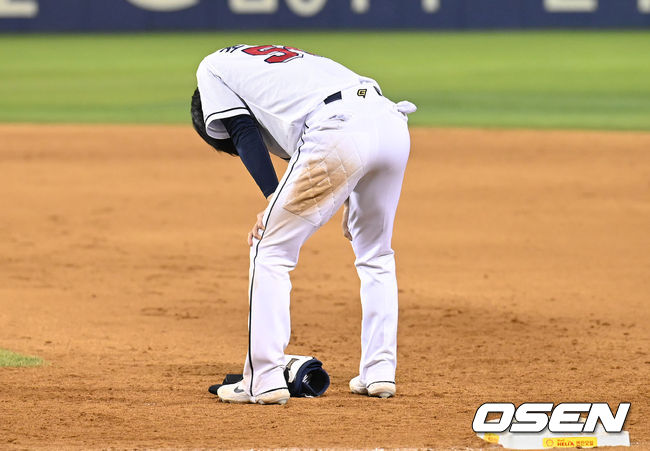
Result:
x=380 y=389
x=357 y=387
x=235 y=393
x=277 y=396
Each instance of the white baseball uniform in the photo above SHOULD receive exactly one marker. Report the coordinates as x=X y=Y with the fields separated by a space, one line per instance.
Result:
x=355 y=145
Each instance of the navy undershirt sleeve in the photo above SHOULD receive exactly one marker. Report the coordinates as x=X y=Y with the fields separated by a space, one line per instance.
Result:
x=251 y=149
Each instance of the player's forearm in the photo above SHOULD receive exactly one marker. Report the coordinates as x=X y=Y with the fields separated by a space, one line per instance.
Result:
x=251 y=149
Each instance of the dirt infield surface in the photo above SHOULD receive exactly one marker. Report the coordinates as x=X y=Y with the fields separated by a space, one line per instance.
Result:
x=523 y=261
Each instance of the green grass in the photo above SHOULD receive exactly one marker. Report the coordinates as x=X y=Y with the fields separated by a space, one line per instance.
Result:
x=593 y=80
x=11 y=359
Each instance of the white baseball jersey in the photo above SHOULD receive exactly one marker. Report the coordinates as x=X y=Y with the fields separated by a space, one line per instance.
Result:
x=278 y=85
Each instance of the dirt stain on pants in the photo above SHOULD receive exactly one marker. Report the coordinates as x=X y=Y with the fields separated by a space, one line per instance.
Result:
x=313 y=192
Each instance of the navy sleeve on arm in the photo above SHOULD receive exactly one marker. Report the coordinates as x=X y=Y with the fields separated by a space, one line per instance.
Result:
x=251 y=149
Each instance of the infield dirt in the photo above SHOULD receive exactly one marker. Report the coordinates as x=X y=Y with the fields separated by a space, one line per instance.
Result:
x=523 y=261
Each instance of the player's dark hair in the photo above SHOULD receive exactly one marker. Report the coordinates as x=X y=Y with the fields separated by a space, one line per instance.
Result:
x=222 y=145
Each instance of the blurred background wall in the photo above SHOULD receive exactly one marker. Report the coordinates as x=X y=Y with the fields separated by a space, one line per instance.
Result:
x=148 y=15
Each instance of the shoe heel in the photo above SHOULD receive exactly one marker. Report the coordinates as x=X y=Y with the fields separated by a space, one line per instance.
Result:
x=381 y=389
x=274 y=398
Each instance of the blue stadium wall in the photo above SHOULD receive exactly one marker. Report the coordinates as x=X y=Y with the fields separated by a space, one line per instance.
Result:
x=148 y=15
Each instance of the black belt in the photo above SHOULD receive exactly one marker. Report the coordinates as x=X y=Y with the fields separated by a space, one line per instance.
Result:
x=333 y=98
x=337 y=96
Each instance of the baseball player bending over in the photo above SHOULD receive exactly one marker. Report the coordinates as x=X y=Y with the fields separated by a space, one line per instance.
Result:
x=346 y=145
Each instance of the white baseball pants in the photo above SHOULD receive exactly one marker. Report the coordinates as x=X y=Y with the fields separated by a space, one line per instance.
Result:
x=354 y=148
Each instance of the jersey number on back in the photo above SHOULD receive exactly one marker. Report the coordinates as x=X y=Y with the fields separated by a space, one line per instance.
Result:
x=275 y=53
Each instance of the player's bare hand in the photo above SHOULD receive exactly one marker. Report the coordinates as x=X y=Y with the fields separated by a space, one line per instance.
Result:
x=344 y=223
x=259 y=226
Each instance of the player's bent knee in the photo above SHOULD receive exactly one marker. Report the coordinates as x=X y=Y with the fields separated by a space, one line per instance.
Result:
x=383 y=262
x=275 y=260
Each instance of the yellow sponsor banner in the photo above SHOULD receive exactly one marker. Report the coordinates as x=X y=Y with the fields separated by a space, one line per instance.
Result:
x=570 y=442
